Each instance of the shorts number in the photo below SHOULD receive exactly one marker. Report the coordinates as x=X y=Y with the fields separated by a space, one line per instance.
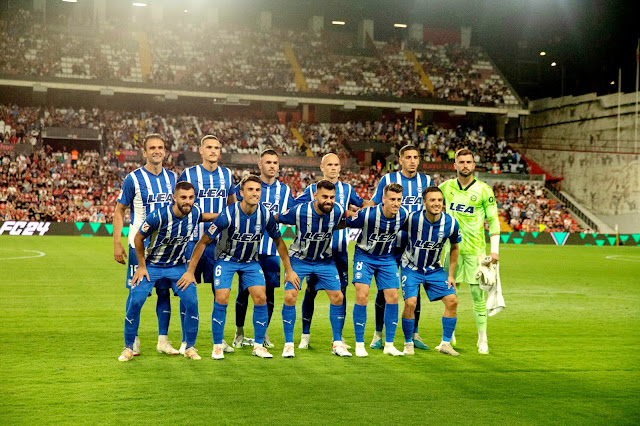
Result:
x=218 y=271
x=133 y=268
x=404 y=278
x=359 y=266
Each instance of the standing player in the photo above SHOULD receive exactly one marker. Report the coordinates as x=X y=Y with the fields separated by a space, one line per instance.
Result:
x=144 y=190
x=345 y=197
x=413 y=183
x=241 y=227
x=311 y=256
x=214 y=191
x=428 y=230
x=471 y=202
x=374 y=256
x=169 y=229
x=275 y=197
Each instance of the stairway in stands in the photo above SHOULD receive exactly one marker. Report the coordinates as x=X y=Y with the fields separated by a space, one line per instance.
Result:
x=301 y=81
x=146 y=59
x=424 y=78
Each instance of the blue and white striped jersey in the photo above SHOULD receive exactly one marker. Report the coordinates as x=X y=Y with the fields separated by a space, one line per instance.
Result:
x=212 y=190
x=169 y=235
x=411 y=189
x=276 y=198
x=379 y=233
x=313 y=231
x=426 y=240
x=345 y=196
x=144 y=192
x=239 y=235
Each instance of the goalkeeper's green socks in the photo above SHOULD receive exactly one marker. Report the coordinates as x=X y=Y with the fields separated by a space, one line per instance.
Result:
x=479 y=308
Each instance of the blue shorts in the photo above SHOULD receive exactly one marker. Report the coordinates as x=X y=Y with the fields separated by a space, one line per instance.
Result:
x=249 y=274
x=435 y=283
x=168 y=274
x=324 y=271
x=383 y=268
x=132 y=266
x=204 y=270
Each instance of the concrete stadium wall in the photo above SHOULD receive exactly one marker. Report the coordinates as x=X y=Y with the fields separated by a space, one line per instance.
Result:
x=576 y=138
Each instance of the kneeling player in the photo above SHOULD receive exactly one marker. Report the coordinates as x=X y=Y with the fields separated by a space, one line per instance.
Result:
x=428 y=230
x=374 y=256
x=240 y=228
x=169 y=229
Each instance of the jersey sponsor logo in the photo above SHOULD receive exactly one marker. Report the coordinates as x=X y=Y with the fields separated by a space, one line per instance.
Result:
x=212 y=193
x=429 y=245
x=175 y=240
x=272 y=207
x=410 y=199
x=316 y=236
x=462 y=208
x=382 y=237
x=160 y=197
x=24 y=228
x=145 y=227
x=245 y=237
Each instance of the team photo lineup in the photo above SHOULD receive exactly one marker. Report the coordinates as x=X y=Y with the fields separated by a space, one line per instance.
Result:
x=202 y=228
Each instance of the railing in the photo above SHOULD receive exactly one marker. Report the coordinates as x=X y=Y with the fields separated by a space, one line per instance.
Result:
x=574 y=209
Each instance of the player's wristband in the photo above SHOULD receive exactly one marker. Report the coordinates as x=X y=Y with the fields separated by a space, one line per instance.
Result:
x=495 y=243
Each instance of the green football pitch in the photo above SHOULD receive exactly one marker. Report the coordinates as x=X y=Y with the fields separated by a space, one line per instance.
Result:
x=565 y=350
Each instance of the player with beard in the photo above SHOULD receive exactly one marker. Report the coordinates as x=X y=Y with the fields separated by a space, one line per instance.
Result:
x=311 y=256
x=470 y=202
x=168 y=229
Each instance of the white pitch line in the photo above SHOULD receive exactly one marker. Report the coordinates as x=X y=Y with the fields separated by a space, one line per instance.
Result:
x=618 y=257
x=38 y=254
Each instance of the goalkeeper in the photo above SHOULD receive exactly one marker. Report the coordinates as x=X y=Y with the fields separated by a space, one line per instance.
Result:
x=470 y=202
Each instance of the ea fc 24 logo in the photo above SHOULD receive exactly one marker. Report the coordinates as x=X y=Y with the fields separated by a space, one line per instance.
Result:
x=24 y=228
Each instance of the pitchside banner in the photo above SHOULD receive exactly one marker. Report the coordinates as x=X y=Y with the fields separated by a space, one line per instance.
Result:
x=88 y=229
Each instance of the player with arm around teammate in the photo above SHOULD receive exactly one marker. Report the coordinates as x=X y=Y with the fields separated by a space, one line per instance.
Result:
x=374 y=257
x=470 y=202
x=413 y=184
x=275 y=197
x=428 y=230
x=169 y=229
x=311 y=255
x=241 y=227
x=144 y=190
x=214 y=191
x=345 y=196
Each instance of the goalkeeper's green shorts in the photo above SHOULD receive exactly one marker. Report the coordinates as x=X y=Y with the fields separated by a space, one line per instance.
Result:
x=466 y=269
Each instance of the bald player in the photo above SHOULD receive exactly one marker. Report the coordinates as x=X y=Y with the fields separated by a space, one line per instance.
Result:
x=345 y=196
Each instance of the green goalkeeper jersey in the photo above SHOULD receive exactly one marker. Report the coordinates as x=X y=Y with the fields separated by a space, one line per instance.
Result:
x=470 y=206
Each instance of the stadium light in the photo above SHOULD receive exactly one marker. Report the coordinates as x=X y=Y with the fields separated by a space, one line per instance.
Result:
x=543 y=53
x=139 y=4
x=400 y=25
x=338 y=22
x=186 y=10
x=612 y=83
x=70 y=1
x=553 y=64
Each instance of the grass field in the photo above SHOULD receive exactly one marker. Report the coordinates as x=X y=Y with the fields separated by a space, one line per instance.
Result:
x=565 y=350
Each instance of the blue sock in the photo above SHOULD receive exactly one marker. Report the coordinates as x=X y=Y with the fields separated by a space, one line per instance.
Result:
x=407 y=329
x=218 y=319
x=132 y=316
x=260 y=320
x=448 y=326
x=183 y=314
x=307 y=309
x=359 y=321
x=337 y=321
x=288 y=322
x=189 y=299
x=380 y=308
x=163 y=311
x=390 y=321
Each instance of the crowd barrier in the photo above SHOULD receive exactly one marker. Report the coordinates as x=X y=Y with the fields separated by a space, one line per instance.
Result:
x=89 y=229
